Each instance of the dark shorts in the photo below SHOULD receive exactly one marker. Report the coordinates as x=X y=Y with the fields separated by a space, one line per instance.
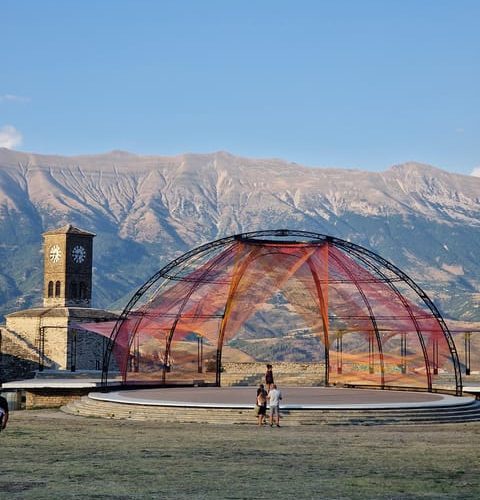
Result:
x=262 y=410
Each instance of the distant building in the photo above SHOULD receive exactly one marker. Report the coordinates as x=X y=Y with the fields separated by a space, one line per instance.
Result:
x=48 y=337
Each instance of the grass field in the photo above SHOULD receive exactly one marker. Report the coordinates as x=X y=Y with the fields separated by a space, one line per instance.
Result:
x=46 y=454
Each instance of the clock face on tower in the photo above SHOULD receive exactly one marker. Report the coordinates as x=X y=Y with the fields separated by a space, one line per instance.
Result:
x=79 y=254
x=55 y=253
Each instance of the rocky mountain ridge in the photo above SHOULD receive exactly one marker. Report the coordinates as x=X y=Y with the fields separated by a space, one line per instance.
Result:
x=148 y=209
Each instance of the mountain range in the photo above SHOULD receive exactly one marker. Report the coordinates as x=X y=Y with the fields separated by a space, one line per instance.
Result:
x=147 y=210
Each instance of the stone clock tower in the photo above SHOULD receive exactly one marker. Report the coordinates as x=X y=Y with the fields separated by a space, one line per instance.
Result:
x=67 y=267
x=50 y=337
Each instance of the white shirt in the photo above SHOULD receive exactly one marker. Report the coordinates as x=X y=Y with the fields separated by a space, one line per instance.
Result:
x=274 y=396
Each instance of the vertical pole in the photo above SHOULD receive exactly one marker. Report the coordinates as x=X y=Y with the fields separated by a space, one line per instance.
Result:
x=199 y=354
x=371 y=353
x=218 y=368
x=41 y=348
x=403 y=352
x=136 y=354
x=164 y=368
x=339 y=352
x=467 y=352
x=435 y=356
x=104 y=345
x=73 y=351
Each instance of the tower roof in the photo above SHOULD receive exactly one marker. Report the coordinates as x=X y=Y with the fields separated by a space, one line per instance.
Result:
x=69 y=229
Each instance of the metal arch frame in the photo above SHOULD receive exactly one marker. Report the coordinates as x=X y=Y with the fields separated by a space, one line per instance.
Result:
x=373 y=319
x=194 y=286
x=142 y=290
x=163 y=272
x=376 y=268
x=325 y=325
x=185 y=300
x=357 y=249
x=226 y=312
x=349 y=247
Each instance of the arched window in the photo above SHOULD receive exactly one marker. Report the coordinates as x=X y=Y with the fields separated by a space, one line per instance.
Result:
x=83 y=290
x=73 y=290
x=50 y=289
x=57 y=288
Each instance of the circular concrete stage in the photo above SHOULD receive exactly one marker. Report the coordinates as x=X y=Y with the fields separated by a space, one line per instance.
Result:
x=294 y=398
x=300 y=406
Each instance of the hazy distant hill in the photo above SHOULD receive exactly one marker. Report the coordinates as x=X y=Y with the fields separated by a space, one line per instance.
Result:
x=147 y=210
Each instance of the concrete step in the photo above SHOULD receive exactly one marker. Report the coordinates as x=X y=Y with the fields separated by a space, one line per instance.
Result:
x=88 y=407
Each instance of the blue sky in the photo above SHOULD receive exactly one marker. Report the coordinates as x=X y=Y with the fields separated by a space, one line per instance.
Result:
x=359 y=84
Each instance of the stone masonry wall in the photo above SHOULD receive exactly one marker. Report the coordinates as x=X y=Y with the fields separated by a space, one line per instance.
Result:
x=27 y=327
x=65 y=347
x=52 y=398
x=285 y=373
x=280 y=367
x=18 y=360
x=89 y=349
x=55 y=347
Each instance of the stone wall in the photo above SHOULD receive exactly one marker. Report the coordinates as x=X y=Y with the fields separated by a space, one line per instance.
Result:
x=26 y=327
x=18 y=359
x=65 y=348
x=89 y=349
x=11 y=343
x=65 y=345
x=15 y=368
x=251 y=368
x=285 y=374
x=52 y=398
x=54 y=333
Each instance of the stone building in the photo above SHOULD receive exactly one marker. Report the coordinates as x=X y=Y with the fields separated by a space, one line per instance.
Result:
x=48 y=337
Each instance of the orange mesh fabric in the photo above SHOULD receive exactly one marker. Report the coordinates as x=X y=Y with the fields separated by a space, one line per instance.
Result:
x=357 y=317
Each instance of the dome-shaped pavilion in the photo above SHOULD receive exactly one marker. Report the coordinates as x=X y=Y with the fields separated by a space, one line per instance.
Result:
x=356 y=315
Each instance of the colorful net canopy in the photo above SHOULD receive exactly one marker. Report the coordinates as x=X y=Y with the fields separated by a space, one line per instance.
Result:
x=320 y=300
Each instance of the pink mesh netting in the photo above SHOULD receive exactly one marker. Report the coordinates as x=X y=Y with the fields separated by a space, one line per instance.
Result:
x=356 y=318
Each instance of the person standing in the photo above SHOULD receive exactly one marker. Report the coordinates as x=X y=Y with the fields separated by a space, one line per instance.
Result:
x=269 y=377
x=274 y=397
x=261 y=403
x=3 y=412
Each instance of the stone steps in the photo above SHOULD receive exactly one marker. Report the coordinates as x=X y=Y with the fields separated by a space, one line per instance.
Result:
x=88 y=407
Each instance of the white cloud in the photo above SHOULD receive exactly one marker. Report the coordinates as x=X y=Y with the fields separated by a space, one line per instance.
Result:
x=10 y=137
x=13 y=98
x=476 y=172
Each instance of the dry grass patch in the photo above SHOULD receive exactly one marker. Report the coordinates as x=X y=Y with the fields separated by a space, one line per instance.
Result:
x=47 y=454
